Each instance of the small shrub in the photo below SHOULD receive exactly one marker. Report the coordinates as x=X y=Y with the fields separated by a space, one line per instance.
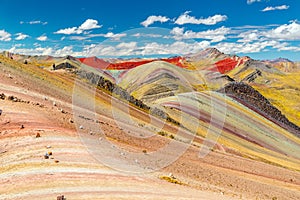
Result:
x=162 y=133
x=171 y=180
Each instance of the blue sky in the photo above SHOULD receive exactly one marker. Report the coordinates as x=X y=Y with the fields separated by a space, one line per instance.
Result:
x=261 y=29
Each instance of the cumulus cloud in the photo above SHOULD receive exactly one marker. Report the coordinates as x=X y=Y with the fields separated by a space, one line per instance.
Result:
x=89 y=24
x=68 y=31
x=153 y=48
x=67 y=50
x=177 y=31
x=270 y=8
x=185 y=18
x=114 y=36
x=215 y=35
x=111 y=35
x=231 y=47
x=21 y=36
x=255 y=47
x=33 y=51
x=152 y=19
x=249 y=36
x=285 y=32
x=42 y=38
x=5 y=36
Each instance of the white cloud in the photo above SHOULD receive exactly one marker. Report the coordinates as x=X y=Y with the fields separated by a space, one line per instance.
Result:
x=42 y=38
x=67 y=50
x=68 y=31
x=18 y=45
x=152 y=19
x=87 y=25
x=154 y=48
x=21 y=36
x=114 y=36
x=283 y=7
x=178 y=47
x=252 y=1
x=147 y=35
x=36 y=51
x=185 y=18
x=248 y=36
x=34 y=22
x=110 y=35
x=79 y=38
x=129 y=45
x=177 y=31
x=215 y=35
x=5 y=36
x=285 y=32
x=259 y=46
x=232 y=48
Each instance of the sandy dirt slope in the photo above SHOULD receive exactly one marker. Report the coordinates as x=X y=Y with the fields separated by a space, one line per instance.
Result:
x=72 y=171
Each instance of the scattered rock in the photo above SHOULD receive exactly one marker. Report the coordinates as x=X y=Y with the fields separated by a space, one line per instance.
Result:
x=54 y=103
x=46 y=156
x=171 y=176
x=38 y=135
x=46 y=98
x=48 y=147
x=81 y=127
x=71 y=121
x=0 y=112
x=10 y=98
x=2 y=96
x=62 y=197
x=22 y=126
x=62 y=111
x=56 y=161
x=14 y=99
x=50 y=153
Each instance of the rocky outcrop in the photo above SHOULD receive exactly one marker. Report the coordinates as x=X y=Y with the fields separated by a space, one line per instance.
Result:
x=252 y=76
x=251 y=98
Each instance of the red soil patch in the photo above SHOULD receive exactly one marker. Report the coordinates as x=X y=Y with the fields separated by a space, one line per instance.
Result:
x=95 y=62
x=227 y=65
x=101 y=64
